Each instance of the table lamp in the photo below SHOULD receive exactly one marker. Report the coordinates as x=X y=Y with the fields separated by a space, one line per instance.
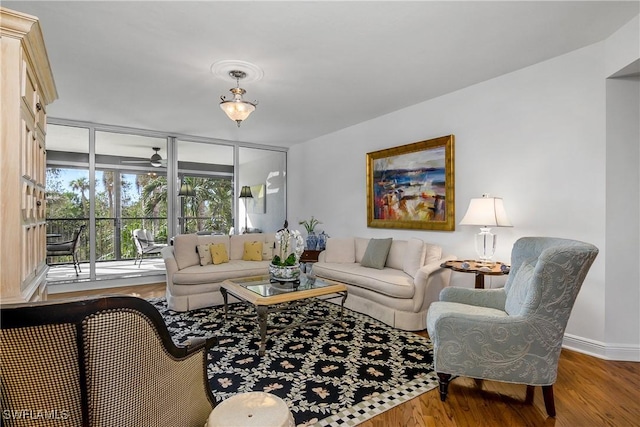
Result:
x=245 y=193
x=486 y=212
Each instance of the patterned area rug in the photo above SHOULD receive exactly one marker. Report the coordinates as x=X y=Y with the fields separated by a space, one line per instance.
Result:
x=327 y=374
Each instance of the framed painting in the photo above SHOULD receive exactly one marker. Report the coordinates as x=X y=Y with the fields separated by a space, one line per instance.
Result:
x=412 y=186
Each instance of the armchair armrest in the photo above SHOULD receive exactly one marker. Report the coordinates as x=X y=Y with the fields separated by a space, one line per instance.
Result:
x=491 y=298
x=57 y=244
x=170 y=263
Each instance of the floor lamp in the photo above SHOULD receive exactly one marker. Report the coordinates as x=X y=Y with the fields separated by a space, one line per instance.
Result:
x=245 y=194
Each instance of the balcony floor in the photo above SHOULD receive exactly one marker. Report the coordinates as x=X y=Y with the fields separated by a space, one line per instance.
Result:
x=64 y=273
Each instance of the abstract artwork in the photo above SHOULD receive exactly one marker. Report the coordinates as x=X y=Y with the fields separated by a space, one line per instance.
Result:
x=412 y=186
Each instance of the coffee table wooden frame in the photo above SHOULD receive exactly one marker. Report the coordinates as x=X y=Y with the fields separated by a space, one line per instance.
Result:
x=290 y=301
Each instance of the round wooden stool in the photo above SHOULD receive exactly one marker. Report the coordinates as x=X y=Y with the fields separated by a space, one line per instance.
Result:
x=253 y=409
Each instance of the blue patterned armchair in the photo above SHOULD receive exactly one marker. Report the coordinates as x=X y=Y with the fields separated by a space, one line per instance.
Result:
x=513 y=334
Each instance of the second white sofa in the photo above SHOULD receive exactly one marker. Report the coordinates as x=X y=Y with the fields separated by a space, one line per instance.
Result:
x=398 y=294
x=192 y=285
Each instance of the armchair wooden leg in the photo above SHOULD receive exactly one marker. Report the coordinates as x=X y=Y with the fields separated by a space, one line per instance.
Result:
x=528 y=399
x=443 y=380
x=547 y=392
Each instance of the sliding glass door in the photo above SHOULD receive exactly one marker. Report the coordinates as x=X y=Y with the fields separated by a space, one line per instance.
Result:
x=109 y=182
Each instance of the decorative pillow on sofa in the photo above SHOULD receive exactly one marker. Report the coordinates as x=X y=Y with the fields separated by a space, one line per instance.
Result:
x=376 y=254
x=204 y=254
x=267 y=249
x=341 y=250
x=252 y=251
x=218 y=253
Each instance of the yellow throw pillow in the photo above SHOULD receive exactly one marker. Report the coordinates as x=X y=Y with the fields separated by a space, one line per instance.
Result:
x=252 y=251
x=218 y=253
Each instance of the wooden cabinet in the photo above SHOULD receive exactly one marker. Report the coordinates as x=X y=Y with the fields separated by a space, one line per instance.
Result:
x=26 y=88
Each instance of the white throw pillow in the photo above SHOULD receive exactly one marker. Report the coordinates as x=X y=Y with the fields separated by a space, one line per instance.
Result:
x=414 y=257
x=361 y=247
x=340 y=250
x=205 y=255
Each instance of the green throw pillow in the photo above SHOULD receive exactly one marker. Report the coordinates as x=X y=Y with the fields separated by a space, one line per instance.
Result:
x=376 y=254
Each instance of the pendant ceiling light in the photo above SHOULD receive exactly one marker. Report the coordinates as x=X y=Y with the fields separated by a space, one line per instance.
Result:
x=237 y=108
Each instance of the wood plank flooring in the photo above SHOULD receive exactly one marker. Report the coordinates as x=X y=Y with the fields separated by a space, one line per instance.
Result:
x=589 y=392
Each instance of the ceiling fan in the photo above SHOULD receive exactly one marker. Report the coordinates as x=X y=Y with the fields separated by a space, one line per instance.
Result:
x=155 y=160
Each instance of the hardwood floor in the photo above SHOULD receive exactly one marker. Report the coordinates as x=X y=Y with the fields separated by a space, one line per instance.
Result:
x=588 y=392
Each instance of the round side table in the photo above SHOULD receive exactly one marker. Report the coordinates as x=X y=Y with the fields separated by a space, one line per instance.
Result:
x=252 y=409
x=479 y=269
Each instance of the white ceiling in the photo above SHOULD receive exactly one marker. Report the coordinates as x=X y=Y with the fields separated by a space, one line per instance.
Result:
x=327 y=65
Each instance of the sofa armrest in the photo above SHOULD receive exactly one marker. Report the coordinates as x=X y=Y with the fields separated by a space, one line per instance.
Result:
x=170 y=263
x=430 y=279
x=491 y=298
x=321 y=256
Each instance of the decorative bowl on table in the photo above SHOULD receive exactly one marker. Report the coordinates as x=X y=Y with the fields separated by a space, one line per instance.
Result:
x=286 y=275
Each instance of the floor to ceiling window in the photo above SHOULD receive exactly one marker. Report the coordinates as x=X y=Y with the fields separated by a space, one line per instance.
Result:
x=264 y=172
x=205 y=173
x=108 y=182
x=130 y=194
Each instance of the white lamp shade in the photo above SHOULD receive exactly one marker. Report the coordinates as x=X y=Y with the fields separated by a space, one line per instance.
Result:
x=237 y=110
x=486 y=211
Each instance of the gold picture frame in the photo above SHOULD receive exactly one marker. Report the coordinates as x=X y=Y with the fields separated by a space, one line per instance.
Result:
x=412 y=186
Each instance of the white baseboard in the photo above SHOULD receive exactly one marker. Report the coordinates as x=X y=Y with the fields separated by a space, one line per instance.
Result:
x=621 y=352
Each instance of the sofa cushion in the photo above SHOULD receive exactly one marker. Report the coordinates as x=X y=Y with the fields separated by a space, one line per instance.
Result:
x=361 y=247
x=198 y=275
x=433 y=253
x=396 y=254
x=219 y=253
x=341 y=250
x=388 y=281
x=268 y=247
x=376 y=254
x=252 y=251
x=414 y=257
x=204 y=254
x=184 y=247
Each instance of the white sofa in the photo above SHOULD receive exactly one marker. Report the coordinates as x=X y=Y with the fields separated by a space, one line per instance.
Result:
x=191 y=286
x=398 y=294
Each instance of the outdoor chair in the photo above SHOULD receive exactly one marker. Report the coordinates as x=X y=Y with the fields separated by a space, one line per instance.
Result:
x=106 y=361
x=68 y=248
x=513 y=334
x=145 y=245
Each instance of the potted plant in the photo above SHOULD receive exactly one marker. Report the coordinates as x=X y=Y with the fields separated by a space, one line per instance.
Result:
x=310 y=225
x=285 y=266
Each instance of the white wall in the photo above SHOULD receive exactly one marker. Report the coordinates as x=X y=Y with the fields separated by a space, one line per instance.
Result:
x=622 y=302
x=623 y=215
x=536 y=137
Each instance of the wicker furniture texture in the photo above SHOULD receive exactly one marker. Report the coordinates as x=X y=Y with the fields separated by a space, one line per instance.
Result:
x=106 y=361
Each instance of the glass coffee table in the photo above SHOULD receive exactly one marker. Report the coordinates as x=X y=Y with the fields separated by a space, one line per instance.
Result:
x=271 y=297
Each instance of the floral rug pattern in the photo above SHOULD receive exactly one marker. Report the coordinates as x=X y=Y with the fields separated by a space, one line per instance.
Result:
x=327 y=374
